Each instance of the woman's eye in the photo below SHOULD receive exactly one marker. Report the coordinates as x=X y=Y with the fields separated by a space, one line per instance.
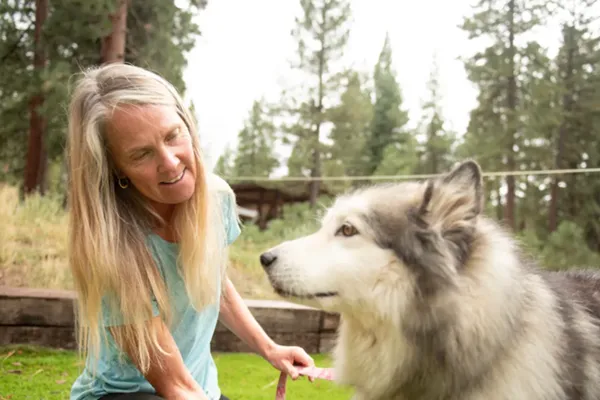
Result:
x=173 y=135
x=140 y=156
x=348 y=230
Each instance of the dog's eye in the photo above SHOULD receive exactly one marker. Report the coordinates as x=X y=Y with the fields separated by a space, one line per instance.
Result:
x=347 y=230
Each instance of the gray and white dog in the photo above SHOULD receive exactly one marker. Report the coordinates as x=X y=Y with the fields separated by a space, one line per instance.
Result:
x=437 y=302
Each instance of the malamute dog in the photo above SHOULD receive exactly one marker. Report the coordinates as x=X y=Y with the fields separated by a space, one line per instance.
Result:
x=437 y=302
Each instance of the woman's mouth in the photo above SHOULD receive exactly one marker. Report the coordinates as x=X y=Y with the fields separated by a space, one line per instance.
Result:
x=174 y=180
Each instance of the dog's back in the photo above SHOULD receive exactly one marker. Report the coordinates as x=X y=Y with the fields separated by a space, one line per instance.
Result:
x=554 y=350
x=578 y=307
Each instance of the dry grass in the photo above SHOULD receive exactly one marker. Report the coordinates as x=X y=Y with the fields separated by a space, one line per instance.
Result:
x=246 y=273
x=33 y=248
x=32 y=242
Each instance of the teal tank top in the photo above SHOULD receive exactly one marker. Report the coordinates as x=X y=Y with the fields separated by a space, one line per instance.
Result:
x=192 y=332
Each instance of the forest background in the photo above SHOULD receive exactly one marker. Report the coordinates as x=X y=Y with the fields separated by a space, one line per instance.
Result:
x=534 y=127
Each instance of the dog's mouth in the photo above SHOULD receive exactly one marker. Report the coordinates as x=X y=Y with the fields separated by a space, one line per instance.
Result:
x=318 y=295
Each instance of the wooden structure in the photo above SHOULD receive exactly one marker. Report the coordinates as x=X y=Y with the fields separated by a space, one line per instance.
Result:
x=46 y=318
x=268 y=199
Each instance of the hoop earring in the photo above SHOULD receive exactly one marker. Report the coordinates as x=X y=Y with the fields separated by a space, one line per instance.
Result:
x=123 y=182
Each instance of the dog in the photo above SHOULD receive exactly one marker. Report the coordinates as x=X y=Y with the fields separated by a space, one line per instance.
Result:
x=438 y=301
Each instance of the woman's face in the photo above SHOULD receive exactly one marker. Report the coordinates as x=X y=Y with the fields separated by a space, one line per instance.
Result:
x=152 y=147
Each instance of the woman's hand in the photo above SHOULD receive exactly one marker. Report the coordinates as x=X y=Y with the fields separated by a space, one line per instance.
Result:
x=286 y=358
x=236 y=316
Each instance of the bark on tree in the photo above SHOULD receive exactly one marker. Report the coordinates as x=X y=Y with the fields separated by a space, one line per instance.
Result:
x=113 y=45
x=35 y=164
x=315 y=185
x=509 y=215
x=562 y=132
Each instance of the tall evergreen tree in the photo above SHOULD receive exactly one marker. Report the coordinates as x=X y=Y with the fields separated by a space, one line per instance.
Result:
x=255 y=154
x=575 y=136
x=224 y=166
x=389 y=118
x=321 y=33
x=112 y=49
x=35 y=167
x=437 y=147
x=351 y=120
x=497 y=71
x=158 y=36
x=539 y=120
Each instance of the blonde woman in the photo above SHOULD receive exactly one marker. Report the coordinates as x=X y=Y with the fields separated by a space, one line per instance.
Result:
x=148 y=235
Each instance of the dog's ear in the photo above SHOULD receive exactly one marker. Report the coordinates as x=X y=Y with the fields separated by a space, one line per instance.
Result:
x=465 y=194
x=442 y=224
x=467 y=179
x=424 y=249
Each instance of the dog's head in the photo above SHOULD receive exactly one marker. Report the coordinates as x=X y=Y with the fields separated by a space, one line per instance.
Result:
x=404 y=241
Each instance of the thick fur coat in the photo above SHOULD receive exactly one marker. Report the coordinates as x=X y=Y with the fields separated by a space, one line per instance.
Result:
x=437 y=301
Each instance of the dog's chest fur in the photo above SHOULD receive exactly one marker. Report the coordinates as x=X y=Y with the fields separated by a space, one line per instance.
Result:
x=537 y=363
x=370 y=360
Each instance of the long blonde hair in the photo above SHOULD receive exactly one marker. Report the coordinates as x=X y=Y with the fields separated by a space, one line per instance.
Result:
x=108 y=228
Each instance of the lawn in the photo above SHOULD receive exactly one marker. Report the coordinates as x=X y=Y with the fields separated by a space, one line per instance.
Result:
x=43 y=374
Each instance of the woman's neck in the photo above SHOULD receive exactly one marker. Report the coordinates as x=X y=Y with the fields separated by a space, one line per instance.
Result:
x=166 y=233
x=165 y=230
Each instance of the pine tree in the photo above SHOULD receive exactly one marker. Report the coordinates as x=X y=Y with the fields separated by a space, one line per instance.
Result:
x=577 y=58
x=255 y=151
x=158 y=36
x=539 y=118
x=321 y=33
x=35 y=167
x=224 y=166
x=388 y=116
x=113 y=45
x=576 y=197
x=437 y=147
x=496 y=71
x=351 y=120
x=160 y=33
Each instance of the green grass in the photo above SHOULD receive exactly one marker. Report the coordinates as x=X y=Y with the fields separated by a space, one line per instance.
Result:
x=45 y=374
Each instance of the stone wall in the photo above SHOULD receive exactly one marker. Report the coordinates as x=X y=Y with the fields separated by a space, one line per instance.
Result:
x=46 y=318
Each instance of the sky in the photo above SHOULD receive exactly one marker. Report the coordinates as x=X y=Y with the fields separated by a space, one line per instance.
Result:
x=246 y=48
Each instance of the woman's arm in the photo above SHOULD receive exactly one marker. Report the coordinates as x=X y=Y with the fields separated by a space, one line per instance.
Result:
x=236 y=316
x=238 y=319
x=168 y=373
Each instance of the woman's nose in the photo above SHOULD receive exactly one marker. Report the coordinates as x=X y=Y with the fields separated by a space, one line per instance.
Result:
x=169 y=161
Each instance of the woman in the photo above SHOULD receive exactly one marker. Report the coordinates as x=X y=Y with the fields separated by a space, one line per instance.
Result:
x=148 y=235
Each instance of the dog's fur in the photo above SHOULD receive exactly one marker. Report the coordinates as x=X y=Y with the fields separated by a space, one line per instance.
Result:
x=437 y=302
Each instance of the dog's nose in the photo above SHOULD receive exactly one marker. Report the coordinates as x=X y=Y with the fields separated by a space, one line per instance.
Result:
x=267 y=258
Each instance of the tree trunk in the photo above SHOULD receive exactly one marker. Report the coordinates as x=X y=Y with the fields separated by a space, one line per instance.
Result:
x=509 y=215
x=562 y=132
x=36 y=152
x=113 y=45
x=315 y=185
x=432 y=149
x=499 y=213
x=64 y=181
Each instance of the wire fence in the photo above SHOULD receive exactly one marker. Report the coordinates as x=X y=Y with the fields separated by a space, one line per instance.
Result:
x=407 y=177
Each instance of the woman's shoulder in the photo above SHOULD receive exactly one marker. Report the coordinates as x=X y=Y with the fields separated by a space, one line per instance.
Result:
x=228 y=203
x=218 y=185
